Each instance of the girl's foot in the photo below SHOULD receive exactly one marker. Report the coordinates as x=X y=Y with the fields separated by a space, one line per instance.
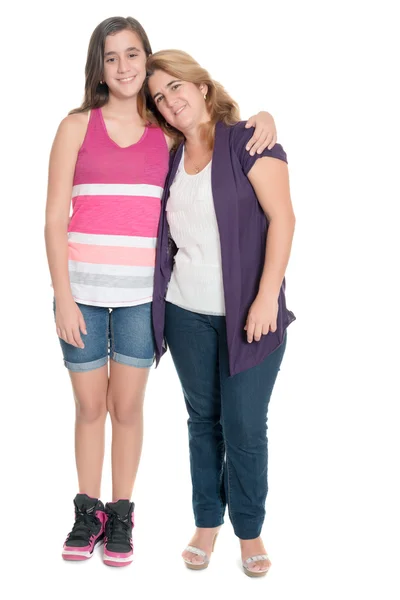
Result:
x=118 y=545
x=88 y=529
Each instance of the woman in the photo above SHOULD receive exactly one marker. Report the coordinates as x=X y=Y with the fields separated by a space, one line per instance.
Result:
x=109 y=159
x=223 y=245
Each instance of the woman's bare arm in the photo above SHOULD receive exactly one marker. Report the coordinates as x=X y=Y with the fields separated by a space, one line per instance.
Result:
x=270 y=180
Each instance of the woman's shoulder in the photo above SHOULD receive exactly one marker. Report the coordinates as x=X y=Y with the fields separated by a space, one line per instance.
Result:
x=238 y=130
x=239 y=138
x=240 y=135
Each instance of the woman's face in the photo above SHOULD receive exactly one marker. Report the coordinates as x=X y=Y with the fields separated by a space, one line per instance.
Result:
x=181 y=103
x=124 y=64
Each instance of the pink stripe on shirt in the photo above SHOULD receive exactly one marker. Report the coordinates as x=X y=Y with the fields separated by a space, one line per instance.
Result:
x=116 y=215
x=111 y=255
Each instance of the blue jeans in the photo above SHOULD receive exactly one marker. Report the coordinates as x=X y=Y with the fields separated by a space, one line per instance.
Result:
x=125 y=334
x=227 y=421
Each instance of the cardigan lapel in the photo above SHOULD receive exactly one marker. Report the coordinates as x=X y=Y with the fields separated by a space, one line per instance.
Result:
x=175 y=160
x=227 y=212
x=165 y=264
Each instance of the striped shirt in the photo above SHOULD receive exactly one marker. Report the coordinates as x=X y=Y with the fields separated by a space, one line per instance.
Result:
x=116 y=200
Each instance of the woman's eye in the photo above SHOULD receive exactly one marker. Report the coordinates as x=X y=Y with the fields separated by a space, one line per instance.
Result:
x=132 y=55
x=110 y=60
x=175 y=87
x=158 y=100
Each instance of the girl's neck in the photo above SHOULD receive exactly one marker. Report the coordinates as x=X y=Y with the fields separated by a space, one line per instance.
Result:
x=126 y=110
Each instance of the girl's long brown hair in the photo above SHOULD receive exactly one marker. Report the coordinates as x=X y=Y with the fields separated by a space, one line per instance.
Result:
x=96 y=94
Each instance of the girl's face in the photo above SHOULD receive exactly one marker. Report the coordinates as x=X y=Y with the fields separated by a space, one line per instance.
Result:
x=124 y=64
x=181 y=103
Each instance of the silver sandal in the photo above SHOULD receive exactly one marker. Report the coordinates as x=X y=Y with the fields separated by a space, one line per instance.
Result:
x=194 y=550
x=198 y=552
x=254 y=559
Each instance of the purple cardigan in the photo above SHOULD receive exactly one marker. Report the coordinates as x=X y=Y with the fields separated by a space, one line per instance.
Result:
x=243 y=229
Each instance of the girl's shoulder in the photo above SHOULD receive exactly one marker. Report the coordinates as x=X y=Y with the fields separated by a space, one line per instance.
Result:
x=76 y=120
x=155 y=130
x=74 y=126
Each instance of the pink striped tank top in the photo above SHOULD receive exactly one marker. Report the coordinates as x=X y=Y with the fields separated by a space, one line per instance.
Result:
x=116 y=200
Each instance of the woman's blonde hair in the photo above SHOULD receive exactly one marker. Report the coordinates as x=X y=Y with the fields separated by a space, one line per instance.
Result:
x=220 y=106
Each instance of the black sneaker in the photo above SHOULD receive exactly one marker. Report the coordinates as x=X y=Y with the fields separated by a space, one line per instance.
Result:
x=118 y=545
x=88 y=529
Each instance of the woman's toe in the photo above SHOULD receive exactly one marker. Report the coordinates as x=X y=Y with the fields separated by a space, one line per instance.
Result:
x=262 y=565
x=193 y=558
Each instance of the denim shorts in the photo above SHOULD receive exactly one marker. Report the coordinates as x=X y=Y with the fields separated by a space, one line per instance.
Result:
x=125 y=334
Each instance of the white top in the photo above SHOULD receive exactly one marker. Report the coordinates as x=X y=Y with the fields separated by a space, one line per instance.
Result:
x=196 y=282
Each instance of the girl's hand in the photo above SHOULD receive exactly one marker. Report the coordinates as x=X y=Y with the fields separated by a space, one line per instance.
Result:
x=264 y=136
x=70 y=322
x=262 y=317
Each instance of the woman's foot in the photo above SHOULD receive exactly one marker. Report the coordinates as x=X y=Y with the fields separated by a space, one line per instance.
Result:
x=202 y=540
x=254 y=549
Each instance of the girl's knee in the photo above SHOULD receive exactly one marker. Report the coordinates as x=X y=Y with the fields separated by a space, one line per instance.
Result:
x=90 y=410
x=125 y=410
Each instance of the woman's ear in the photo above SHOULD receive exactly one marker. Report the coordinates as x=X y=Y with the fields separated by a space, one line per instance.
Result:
x=204 y=89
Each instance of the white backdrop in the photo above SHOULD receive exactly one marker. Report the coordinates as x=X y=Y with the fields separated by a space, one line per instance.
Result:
x=327 y=71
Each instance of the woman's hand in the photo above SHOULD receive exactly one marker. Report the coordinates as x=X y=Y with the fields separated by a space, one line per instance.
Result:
x=70 y=322
x=262 y=317
x=264 y=136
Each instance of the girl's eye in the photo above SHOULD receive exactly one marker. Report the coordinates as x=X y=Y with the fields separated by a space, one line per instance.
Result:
x=110 y=60
x=158 y=100
x=176 y=86
x=132 y=55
